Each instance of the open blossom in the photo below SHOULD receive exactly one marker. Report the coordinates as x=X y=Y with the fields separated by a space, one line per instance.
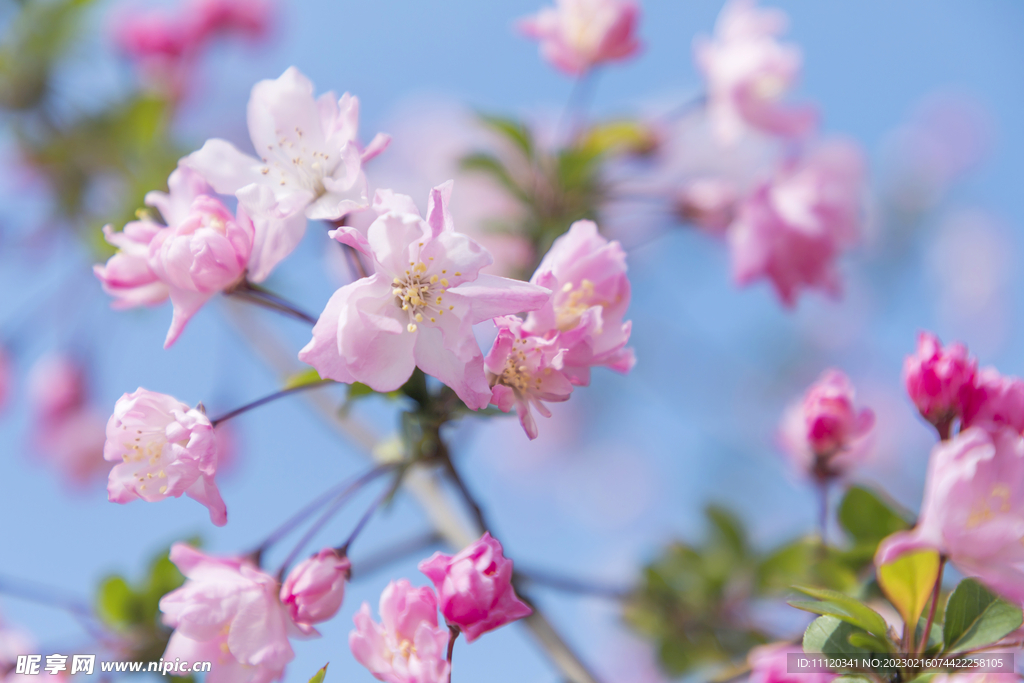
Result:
x=419 y=305
x=769 y=664
x=577 y=35
x=227 y=612
x=792 y=228
x=314 y=590
x=524 y=372
x=126 y=275
x=748 y=71
x=824 y=433
x=475 y=588
x=939 y=379
x=590 y=294
x=163 y=448
x=310 y=161
x=994 y=401
x=407 y=646
x=973 y=509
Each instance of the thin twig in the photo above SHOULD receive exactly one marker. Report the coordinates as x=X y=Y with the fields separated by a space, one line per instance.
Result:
x=571 y=585
x=397 y=552
x=260 y=296
x=267 y=399
x=353 y=259
x=361 y=524
x=453 y=633
x=935 y=602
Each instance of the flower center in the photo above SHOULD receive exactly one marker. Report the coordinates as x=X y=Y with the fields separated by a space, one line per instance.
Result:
x=296 y=165
x=517 y=373
x=406 y=649
x=569 y=308
x=420 y=295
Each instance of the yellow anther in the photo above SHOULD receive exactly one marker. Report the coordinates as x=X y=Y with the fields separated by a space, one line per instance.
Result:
x=163 y=489
x=433 y=279
x=411 y=327
x=444 y=282
x=419 y=318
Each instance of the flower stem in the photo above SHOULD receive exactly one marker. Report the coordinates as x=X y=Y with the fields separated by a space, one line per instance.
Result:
x=267 y=399
x=467 y=497
x=262 y=297
x=935 y=602
x=453 y=633
x=387 y=493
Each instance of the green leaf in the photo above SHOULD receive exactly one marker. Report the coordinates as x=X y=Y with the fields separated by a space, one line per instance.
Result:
x=514 y=131
x=845 y=608
x=870 y=642
x=832 y=635
x=302 y=378
x=975 y=617
x=318 y=677
x=489 y=164
x=728 y=529
x=618 y=136
x=867 y=518
x=908 y=581
x=115 y=602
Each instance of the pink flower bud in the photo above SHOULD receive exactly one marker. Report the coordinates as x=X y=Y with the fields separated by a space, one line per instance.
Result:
x=126 y=275
x=475 y=588
x=164 y=448
x=314 y=590
x=577 y=35
x=824 y=432
x=994 y=401
x=939 y=379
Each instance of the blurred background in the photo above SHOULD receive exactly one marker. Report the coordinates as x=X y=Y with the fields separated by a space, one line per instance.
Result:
x=930 y=89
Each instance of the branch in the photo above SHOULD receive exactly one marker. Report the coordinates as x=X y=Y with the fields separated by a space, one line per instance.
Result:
x=267 y=399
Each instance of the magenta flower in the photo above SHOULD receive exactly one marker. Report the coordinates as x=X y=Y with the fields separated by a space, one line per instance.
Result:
x=407 y=646
x=577 y=35
x=973 y=509
x=824 y=434
x=590 y=294
x=200 y=256
x=475 y=588
x=310 y=161
x=525 y=371
x=994 y=401
x=939 y=379
x=768 y=664
x=418 y=307
x=163 y=448
x=748 y=72
x=228 y=612
x=315 y=589
x=792 y=228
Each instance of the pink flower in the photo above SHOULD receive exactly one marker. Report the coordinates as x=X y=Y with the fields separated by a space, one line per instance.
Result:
x=525 y=371
x=748 y=72
x=407 y=646
x=994 y=401
x=475 y=588
x=163 y=448
x=708 y=203
x=824 y=434
x=227 y=612
x=419 y=305
x=768 y=664
x=314 y=590
x=973 y=509
x=202 y=255
x=939 y=380
x=310 y=161
x=56 y=387
x=792 y=228
x=577 y=35
x=590 y=294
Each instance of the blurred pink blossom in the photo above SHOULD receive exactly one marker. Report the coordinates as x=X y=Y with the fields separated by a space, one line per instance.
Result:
x=825 y=434
x=748 y=71
x=973 y=509
x=407 y=646
x=475 y=587
x=577 y=35
x=163 y=448
x=227 y=612
x=709 y=203
x=768 y=664
x=994 y=401
x=792 y=228
x=315 y=588
x=939 y=379
x=419 y=305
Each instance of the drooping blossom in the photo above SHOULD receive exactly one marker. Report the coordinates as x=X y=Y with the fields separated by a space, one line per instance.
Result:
x=407 y=646
x=589 y=296
x=201 y=250
x=973 y=509
x=792 y=228
x=525 y=371
x=475 y=588
x=994 y=401
x=939 y=379
x=577 y=35
x=419 y=305
x=769 y=664
x=227 y=612
x=708 y=203
x=67 y=431
x=748 y=72
x=824 y=433
x=309 y=160
x=314 y=590
x=166 y=44
x=163 y=448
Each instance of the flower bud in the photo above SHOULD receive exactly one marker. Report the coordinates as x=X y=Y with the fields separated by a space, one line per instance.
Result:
x=314 y=590
x=938 y=378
